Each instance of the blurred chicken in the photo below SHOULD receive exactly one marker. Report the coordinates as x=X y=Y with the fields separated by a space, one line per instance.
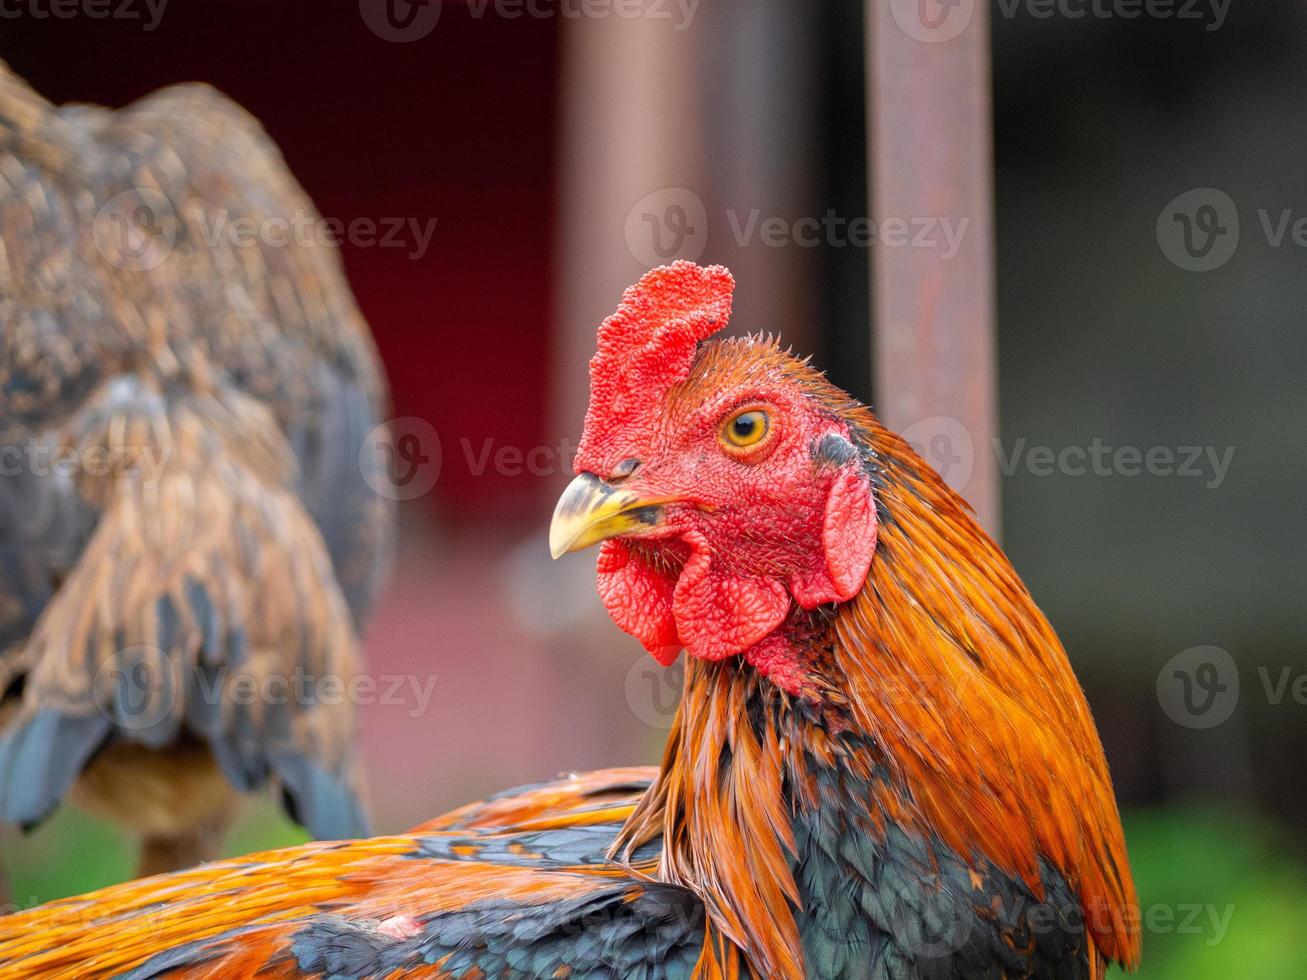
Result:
x=882 y=765
x=189 y=535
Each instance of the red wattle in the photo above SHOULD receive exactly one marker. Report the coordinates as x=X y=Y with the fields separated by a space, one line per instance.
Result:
x=719 y=615
x=639 y=599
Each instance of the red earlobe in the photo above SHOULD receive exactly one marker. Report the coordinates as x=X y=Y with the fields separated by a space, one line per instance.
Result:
x=848 y=538
x=848 y=533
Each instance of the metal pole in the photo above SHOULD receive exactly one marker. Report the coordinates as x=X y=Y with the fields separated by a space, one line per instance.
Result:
x=930 y=165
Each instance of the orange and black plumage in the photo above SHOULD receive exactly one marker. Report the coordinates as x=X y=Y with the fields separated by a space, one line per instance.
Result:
x=183 y=511
x=882 y=765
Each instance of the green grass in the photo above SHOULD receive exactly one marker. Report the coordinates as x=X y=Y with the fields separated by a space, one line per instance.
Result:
x=1236 y=865
x=1189 y=864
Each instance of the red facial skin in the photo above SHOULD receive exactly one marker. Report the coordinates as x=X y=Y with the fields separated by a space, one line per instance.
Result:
x=752 y=531
x=744 y=534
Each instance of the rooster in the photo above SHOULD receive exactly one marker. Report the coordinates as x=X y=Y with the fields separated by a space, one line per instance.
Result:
x=183 y=512
x=881 y=766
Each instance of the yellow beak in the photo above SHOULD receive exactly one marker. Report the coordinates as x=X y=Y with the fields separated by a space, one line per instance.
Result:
x=590 y=511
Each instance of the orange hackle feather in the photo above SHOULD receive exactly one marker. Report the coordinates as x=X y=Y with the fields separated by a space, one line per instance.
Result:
x=952 y=667
x=726 y=831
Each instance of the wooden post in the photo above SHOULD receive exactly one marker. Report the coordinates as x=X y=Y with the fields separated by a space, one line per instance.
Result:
x=930 y=157
x=631 y=129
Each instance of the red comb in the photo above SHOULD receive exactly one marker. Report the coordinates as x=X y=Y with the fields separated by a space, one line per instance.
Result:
x=644 y=348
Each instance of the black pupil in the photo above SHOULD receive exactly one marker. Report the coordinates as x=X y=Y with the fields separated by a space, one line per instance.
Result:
x=745 y=425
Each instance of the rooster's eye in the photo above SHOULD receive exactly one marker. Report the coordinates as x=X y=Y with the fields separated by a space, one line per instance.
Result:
x=746 y=432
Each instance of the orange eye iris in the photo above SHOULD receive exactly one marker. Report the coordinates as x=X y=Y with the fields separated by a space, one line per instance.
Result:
x=745 y=433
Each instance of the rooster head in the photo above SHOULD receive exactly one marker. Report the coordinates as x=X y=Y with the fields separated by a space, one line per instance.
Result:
x=724 y=478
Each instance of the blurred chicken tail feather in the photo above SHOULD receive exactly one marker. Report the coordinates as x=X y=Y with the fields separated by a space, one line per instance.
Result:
x=201 y=584
x=218 y=546
x=327 y=804
x=40 y=759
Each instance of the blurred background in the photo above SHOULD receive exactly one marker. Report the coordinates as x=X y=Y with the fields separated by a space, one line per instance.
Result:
x=522 y=163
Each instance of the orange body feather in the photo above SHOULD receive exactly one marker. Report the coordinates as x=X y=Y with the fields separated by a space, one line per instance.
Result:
x=116 y=929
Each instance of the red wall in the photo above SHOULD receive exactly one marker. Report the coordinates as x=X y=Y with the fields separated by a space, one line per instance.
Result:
x=457 y=125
